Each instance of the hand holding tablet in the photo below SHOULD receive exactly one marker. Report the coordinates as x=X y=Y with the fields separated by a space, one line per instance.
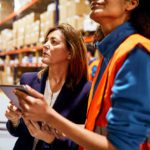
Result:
x=8 y=91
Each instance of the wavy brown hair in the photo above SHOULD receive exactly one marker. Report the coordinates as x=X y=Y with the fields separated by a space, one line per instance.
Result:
x=77 y=69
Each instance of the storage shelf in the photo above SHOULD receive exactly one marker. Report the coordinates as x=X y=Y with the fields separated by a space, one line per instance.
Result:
x=29 y=65
x=23 y=66
x=87 y=39
x=14 y=14
x=23 y=50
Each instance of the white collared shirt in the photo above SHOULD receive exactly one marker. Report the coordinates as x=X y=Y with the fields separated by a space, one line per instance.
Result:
x=50 y=99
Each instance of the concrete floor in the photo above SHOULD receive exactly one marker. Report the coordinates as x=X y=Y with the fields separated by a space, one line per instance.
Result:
x=6 y=140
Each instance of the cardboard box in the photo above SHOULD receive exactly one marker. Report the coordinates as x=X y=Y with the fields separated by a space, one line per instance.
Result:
x=6 y=8
x=72 y=8
x=76 y=22
x=63 y=12
x=78 y=7
x=63 y=2
x=48 y=16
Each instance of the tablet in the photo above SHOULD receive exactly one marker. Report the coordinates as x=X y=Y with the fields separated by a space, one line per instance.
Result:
x=8 y=91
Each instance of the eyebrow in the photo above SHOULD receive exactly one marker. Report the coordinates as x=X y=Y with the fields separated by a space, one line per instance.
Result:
x=53 y=38
x=48 y=38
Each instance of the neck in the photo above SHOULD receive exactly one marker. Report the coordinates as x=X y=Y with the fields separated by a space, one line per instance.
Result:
x=109 y=25
x=57 y=76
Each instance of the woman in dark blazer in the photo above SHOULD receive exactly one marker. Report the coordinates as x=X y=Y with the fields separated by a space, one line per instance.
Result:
x=63 y=84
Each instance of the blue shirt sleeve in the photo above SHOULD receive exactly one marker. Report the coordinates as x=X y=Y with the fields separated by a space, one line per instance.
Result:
x=129 y=116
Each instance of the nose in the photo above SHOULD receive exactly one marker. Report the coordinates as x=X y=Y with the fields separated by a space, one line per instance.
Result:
x=46 y=47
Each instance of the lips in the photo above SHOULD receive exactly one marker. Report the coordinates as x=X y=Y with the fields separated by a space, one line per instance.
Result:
x=95 y=5
x=44 y=54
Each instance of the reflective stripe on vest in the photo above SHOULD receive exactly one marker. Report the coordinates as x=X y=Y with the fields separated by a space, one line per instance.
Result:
x=101 y=97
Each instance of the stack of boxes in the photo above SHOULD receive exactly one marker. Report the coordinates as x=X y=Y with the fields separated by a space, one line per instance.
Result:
x=33 y=28
x=47 y=21
x=73 y=12
x=6 y=40
x=26 y=30
x=29 y=30
x=22 y=32
x=34 y=35
x=6 y=7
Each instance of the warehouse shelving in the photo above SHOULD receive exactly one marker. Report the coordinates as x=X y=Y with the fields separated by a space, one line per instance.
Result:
x=14 y=14
x=21 y=50
x=38 y=6
x=18 y=69
x=34 y=5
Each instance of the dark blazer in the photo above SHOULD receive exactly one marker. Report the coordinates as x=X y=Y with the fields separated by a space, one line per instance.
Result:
x=71 y=104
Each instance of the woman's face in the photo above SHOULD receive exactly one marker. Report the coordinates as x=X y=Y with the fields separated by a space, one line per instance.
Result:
x=55 y=50
x=107 y=9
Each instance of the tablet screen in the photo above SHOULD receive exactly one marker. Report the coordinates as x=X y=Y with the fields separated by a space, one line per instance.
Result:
x=8 y=91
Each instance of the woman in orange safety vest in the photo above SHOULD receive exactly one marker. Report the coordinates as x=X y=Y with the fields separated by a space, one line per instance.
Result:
x=118 y=116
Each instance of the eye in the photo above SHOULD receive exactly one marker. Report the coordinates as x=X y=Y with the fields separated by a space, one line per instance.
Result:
x=54 y=42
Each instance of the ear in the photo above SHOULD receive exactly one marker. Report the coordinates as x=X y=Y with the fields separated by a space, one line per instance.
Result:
x=132 y=4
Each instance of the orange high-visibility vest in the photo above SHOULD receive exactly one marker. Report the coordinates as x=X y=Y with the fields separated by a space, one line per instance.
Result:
x=100 y=102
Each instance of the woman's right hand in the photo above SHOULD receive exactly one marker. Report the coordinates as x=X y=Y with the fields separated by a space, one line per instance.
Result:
x=38 y=131
x=13 y=114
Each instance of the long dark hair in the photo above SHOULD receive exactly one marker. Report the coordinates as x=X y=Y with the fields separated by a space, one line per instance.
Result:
x=140 y=18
